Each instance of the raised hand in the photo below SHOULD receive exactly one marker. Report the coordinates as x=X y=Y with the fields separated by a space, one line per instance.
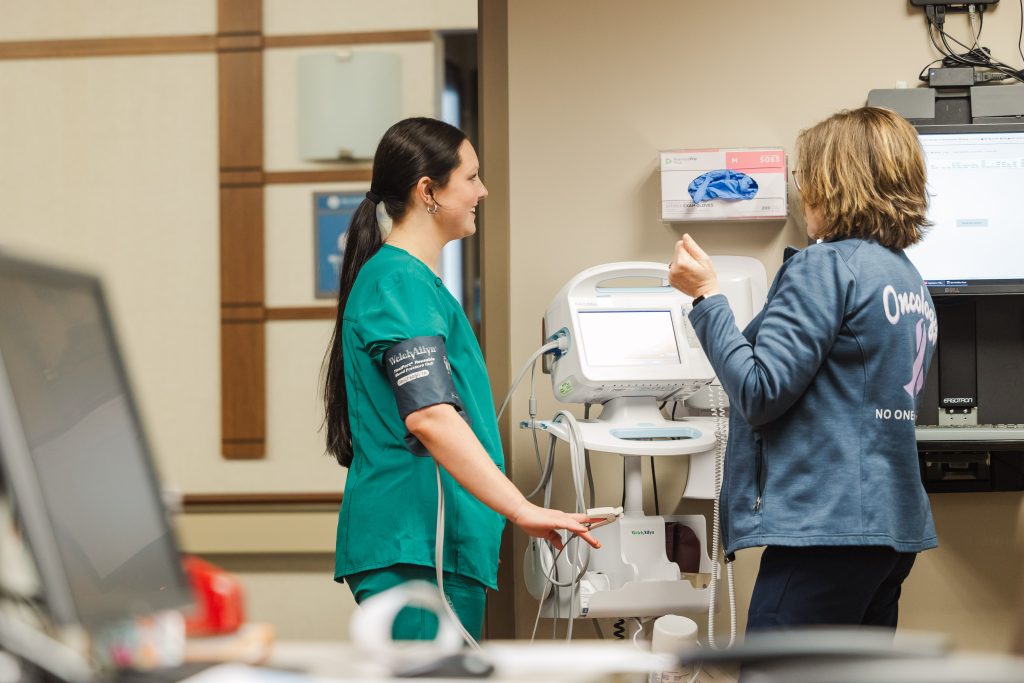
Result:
x=691 y=271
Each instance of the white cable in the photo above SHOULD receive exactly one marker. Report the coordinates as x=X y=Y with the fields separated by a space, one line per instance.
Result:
x=439 y=563
x=639 y=631
x=721 y=438
x=546 y=472
x=545 y=468
x=576 y=447
x=533 y=417
x=550 y=346
x=540 y=608
x=578 y=467
x=579 y=564
x=732 y=603
x=972 y=14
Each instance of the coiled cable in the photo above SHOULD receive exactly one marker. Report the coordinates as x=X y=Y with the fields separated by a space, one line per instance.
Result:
x=721 y=437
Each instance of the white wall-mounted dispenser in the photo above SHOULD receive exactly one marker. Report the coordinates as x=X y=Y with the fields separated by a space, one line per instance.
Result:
x=766 y=166
x=347 y=100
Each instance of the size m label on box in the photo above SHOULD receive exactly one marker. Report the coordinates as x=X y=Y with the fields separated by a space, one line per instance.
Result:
x=759 y=161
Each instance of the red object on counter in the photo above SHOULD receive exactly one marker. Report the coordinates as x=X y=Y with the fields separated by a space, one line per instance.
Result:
x=219 y=605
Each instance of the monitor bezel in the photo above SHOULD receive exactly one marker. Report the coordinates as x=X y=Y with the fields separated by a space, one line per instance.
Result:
x=21 y=474
x=973 y=287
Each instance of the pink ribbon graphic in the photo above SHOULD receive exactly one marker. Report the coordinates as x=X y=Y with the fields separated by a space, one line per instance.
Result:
x=917 y=376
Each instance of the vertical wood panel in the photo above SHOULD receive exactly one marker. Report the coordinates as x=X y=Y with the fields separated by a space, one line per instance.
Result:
x=240 y=118
x=241 y=246
x=239 y=16
x=492 y=57
x=240 y=85
x=243 y=376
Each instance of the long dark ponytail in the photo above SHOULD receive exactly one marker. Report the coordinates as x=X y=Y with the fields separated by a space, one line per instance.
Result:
x=410 y=150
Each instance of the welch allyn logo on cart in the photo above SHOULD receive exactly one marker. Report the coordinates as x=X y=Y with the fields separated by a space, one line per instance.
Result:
x=642 y=532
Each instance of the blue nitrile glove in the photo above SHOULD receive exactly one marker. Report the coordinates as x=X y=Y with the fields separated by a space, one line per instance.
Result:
x=722 y=184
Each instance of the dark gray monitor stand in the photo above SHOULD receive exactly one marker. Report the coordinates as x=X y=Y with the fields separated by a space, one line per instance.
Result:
x=977 y=378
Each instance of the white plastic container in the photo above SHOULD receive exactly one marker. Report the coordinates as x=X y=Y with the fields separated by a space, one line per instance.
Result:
x=673 y=634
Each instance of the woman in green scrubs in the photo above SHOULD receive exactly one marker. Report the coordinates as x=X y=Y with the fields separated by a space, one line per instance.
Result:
x=393 y=312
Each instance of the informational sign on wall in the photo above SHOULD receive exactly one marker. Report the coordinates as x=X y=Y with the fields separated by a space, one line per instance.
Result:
x=332 y=215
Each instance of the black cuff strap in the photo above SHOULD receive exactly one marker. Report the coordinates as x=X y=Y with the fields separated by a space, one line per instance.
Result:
x=697 y=301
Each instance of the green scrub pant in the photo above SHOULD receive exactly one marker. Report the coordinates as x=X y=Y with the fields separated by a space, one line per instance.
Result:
x=466 y=596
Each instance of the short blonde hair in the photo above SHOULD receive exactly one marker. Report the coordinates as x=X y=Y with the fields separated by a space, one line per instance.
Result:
x=863 y=171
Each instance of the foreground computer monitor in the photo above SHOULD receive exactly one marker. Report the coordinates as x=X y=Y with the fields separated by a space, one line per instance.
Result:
x=74 y=454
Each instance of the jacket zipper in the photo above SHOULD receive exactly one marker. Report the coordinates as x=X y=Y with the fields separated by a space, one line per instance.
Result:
x=760 y=472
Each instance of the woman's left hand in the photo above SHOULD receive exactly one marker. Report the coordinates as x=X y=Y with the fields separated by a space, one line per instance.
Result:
x=541 y=522
x=691 y=272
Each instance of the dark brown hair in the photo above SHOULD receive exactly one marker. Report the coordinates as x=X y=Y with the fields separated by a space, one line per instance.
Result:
x=410 y=150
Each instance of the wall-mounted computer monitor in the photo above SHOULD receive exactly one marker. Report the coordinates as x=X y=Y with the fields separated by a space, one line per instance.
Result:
x=74 y=454
x=976 y=205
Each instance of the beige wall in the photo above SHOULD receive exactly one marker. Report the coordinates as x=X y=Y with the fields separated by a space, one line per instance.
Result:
x=60 y=19
x=597 y=87
x=111 y=164
x=325 y=16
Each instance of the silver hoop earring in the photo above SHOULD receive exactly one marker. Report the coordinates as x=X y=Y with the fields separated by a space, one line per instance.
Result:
x=432 y=207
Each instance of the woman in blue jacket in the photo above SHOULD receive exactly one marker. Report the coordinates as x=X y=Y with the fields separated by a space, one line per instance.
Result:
x=823 y=384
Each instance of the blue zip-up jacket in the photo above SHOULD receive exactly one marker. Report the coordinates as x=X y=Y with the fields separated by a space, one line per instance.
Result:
x=823 y=387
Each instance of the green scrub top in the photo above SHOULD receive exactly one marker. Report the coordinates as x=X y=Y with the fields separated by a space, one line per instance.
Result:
x=389 y=511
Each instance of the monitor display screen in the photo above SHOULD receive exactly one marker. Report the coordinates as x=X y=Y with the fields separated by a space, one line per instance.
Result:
x=976 y=205
x=628 y=338
x=83 y=467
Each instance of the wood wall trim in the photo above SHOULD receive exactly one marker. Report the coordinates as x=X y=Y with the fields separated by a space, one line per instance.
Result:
x=248 y=313
x=338 y=175
x=261 y=499
x=334 y=39
x=243 y=451
x=252 y=313
x=241 y=178
x=250 y=177
x=301 y=313
x=106 y=47
x=244 y=35
x=238 y=42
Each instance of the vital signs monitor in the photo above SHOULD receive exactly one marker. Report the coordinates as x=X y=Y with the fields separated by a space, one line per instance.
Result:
x=631 y=341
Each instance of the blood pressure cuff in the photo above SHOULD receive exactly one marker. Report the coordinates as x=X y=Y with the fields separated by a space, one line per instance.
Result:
x=420 y=377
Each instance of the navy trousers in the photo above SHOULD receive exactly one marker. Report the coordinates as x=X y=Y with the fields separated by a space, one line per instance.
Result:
x=835 y=585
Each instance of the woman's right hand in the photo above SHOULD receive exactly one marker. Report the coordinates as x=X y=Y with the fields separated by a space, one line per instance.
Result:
x=691 y=271
x=541 y=522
